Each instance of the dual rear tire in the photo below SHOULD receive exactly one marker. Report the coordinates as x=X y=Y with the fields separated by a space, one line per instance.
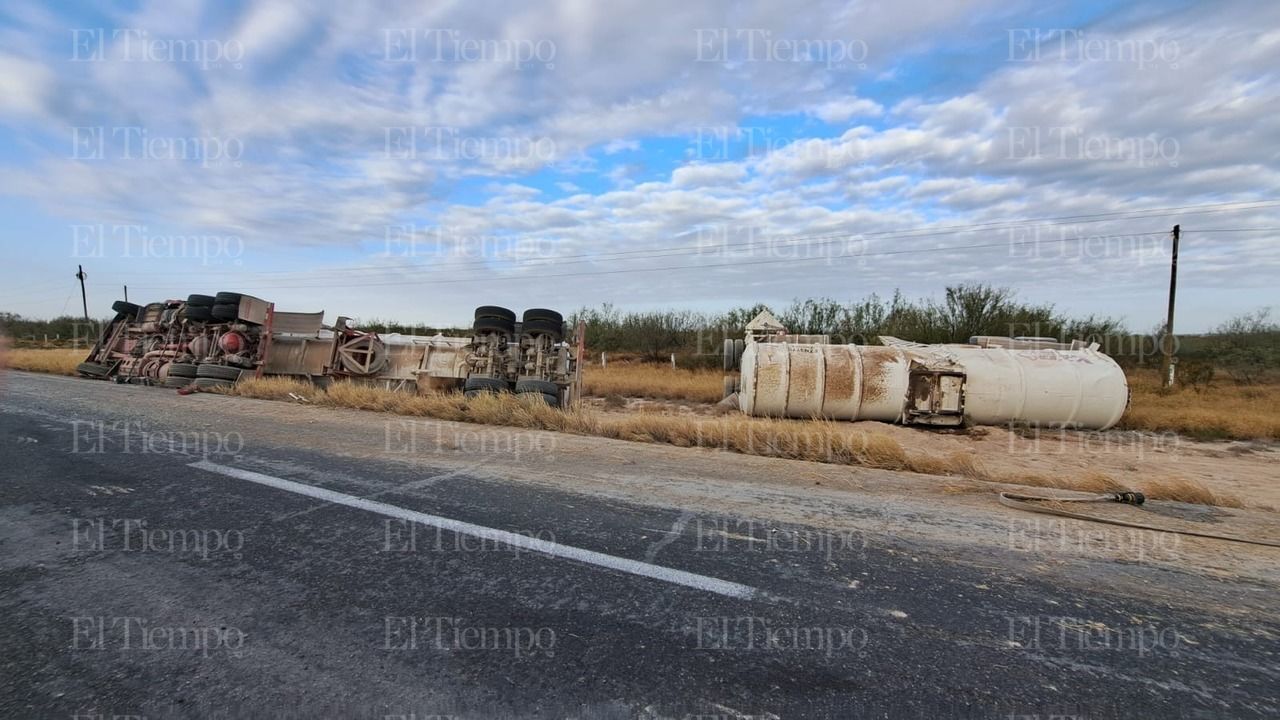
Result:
x=223 y=307
x=209 y=376
x=547 y=391
x=93 y=369
x=476 y=386
x=494 y=319
x=209 y=371
x=127 y=309
x=535 y=321
x=732 y=354
x=199 y=308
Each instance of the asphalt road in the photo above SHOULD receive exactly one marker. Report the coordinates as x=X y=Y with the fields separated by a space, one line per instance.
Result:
x=209 y=556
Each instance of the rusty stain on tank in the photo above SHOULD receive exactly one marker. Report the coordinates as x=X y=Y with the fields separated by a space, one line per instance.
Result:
x=876 y=370
x=839 y=375
x=804 y=376
x=769 y=375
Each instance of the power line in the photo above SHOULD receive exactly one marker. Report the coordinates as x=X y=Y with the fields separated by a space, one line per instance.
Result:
x=337 y=282
x=953 y=248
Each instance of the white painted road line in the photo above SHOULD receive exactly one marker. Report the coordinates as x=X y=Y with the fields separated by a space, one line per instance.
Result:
x=634 y=567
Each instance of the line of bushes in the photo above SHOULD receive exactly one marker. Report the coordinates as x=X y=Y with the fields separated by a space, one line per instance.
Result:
x=1245 y=347
x=963 y=311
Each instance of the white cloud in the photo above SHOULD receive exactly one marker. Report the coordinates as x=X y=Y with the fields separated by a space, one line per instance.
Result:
x=26 y=87
x=844 y=109
x=707 y=175
x=1057 y=136
x=270 y=28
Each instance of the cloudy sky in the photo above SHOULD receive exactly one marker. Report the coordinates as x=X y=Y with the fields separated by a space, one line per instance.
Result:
x=412 y=160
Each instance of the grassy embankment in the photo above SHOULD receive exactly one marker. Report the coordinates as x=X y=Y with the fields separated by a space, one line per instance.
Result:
x=1225 y=411
x=1235 y=412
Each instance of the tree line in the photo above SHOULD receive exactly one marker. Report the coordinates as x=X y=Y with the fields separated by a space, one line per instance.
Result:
x=1246 y=345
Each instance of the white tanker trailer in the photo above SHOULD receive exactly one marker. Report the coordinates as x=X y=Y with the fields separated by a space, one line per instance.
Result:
x=990 y=381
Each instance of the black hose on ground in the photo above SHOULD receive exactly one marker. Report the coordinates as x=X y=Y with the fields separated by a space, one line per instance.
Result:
x=1030 y=503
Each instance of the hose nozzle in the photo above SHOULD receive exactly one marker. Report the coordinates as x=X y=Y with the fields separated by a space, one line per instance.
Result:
x=1129 y=497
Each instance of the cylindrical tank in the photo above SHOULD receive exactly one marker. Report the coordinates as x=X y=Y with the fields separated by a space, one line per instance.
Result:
x=1059 y=388
x=844 y=382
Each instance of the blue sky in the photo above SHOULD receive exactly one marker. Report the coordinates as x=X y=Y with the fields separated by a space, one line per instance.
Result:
x=410 y=161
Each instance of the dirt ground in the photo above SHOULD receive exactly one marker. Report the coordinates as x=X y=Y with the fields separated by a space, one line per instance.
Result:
x=1247 y=470
x=969 y=527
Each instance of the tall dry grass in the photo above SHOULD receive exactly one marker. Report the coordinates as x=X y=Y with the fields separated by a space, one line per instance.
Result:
x=1224 y=411
x=57 y=361
x=1221 y=412
x=654 y=381
x=1172 y=489
x=816 y=440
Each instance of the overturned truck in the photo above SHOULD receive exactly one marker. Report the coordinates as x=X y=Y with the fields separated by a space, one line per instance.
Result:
x=987 y=381
x=213 y=341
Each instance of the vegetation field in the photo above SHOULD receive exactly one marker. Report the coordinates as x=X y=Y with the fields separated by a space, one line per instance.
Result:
x=58 y=361
x=1224 y=409
x=1240 y=412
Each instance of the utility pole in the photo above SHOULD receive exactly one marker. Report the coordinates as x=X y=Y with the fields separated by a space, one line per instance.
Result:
x=126 y=293
x=84 y=302
x=1169 y=366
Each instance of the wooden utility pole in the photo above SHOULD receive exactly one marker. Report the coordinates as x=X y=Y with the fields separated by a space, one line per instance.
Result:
x=84 y=302
x=1169 y=365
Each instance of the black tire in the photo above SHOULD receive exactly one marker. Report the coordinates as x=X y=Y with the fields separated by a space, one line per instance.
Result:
x=225 y=311
x=477 y=385
x=198 y=313
x=218 y=372
x=543 y=327
x=543 y=314
x=494 y=324
x=126 y=308
x=206 y=383
x=183 y=370
x=739 y=346
x=533 y=385
x=200 y=300
x=177 y=382
x=226 y=298
x=493 y=311
x=92 y=369
x=549 y=400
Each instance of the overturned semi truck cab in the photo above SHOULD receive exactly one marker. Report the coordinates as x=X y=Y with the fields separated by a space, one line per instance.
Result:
x=215 y=341
x=987 y=381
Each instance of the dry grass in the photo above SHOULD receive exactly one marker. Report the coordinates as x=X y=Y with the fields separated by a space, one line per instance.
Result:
x=818 y=440
x=508 y=410
x=1188 y=491
x=1249 y=412
x=1225 y=411
x=1174 y=489
x=58 y=361
x=654 y=381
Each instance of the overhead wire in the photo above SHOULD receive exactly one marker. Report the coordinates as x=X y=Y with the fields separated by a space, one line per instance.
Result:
x=951 y=248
